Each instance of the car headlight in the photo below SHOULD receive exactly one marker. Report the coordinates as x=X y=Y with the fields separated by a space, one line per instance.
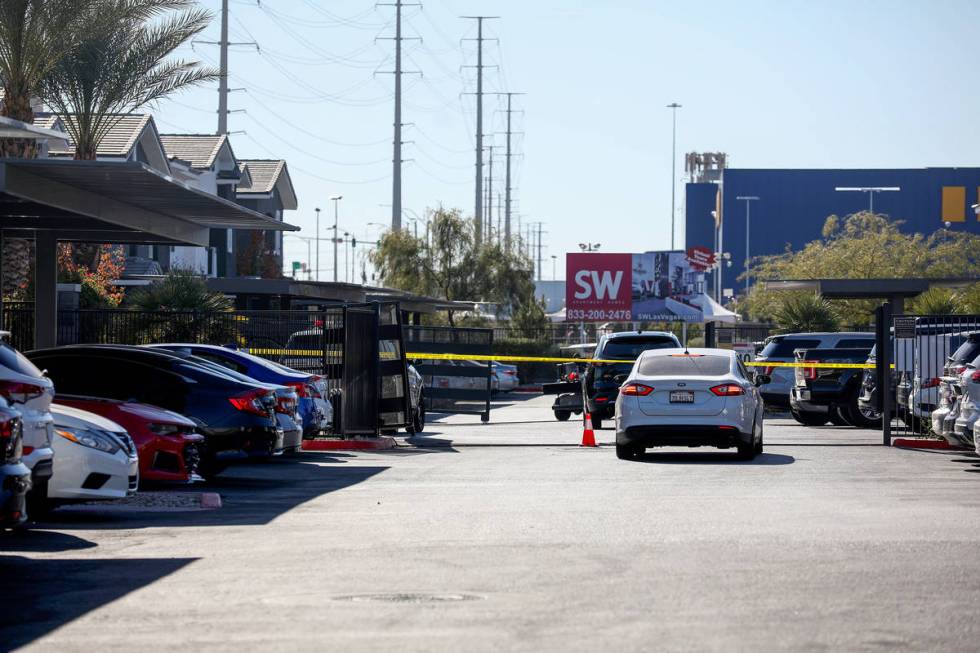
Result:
x=90 y=439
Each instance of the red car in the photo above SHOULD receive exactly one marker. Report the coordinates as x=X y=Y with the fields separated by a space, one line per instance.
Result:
x=168 y=447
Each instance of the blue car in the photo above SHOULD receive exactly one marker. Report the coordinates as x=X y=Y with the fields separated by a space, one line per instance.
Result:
x=314 y=407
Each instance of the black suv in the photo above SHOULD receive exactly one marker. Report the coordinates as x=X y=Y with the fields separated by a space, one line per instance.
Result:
x=601 y=381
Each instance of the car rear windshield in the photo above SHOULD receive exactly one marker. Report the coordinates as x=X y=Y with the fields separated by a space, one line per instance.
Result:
x=634 y=346
x=15 y=361
x=685 y=365
x=967 y=352
x=784 y=347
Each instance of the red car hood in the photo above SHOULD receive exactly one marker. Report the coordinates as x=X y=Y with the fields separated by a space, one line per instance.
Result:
x=107 y=407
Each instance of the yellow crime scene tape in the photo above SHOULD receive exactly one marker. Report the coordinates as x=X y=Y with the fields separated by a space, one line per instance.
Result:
x=527 y=359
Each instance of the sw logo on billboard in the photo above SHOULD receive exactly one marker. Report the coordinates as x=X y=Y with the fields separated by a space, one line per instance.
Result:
x=599 y=284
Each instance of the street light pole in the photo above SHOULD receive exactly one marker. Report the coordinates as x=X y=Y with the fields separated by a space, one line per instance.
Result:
x=870 y=190
x=554 y=263
x=336 y=204
x=748 y=199
x=673 y=172
x=317 y=243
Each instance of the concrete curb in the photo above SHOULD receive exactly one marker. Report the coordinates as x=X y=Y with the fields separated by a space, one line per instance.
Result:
x=361 y=444
x=924 y=443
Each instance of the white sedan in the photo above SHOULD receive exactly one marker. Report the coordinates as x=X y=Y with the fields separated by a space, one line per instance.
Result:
x=689 y=398
x=94 y=458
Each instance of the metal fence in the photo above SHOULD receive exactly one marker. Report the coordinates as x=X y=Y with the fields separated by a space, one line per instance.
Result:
x=922 y=368
x=355 y=348
x=454 y=386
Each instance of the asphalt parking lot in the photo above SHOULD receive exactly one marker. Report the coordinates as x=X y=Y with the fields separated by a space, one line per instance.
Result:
x=507 y=536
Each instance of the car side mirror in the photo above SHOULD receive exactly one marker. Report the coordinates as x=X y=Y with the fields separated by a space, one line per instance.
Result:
x=761 y=379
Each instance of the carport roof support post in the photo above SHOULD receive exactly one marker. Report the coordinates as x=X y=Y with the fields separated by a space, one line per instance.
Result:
x=45 y=289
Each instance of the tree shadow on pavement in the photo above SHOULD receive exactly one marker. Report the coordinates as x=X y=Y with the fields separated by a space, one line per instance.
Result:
x=47 y=594
x=714 y=458
x=30 y=540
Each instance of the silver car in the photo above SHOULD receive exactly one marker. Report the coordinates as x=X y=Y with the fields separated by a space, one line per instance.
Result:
x=692 y=398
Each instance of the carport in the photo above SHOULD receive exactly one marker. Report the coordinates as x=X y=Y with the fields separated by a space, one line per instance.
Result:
x=52 y=201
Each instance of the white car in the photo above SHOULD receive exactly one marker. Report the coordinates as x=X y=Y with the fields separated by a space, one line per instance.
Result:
x=95 y=458
x=504 y=377
x=29 y=392
x=689 y=398
x=969 y=409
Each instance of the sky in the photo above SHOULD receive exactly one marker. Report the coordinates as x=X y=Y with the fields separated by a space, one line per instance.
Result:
x=793 y=84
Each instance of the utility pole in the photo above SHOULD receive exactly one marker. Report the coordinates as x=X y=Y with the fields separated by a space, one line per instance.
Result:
x=478 y=213
x=507 y=188
x=396 y=158
x=490 y=194
x=317 y=209
x=673 y=173
x=223 y=89
x=336 y=212
x=540 y=269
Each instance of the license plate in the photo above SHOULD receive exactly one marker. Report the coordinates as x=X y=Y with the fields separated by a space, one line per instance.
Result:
x=682 y=397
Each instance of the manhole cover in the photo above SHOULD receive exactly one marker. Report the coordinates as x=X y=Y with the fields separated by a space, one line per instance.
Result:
x=408 y=597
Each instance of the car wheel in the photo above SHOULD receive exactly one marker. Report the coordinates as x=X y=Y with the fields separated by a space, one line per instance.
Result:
x=747 y=451
x=862 y=418
x=628 y=451
x=418 y=421
x=758 y=443
x=810 y=419
x=596 y=421
x=209 y=467
x=563 y=415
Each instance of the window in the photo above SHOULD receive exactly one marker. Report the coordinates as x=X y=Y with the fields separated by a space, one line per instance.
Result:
x=856 y=343
x=15 y=361
x=784 y=347
x=634 y=346
x=221 y=360
x=685 y=365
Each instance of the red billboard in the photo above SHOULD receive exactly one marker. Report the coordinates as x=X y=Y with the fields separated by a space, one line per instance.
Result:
x=598 y=287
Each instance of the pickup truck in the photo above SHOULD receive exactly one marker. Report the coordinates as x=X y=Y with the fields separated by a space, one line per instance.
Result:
x=833 y=391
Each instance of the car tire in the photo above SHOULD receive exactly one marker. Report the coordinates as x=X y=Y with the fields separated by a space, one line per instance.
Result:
x=628 y=451
x=759 y=442
x=809 y=419
x=563 y=415
x=596 y=421
x=418 y=419
x=862 y=419
x=209 y=467
x=747 y=451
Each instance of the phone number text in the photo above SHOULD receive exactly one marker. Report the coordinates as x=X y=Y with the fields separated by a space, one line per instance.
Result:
x=598 y=314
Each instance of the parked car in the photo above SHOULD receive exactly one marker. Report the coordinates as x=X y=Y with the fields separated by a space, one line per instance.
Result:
x=568 y=389
x=167 y=446
x=968 y=413
x=286 y=406
x=601 y=381
x=236 y=418
x=691 y=398
x=15 y=477
x=96 y=458
x=315 y=412
x=504 y=377
x=779 y=349
x=951 y=387
x=920 y=365
x=29 y=392
x=821 y=394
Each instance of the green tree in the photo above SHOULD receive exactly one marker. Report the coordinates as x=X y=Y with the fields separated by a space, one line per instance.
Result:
x=796 y=312
x=180 y=308
x=180 y=290
x=122 y=64
x=863 y=246
x=447 y=264
x=529 y=319
x=937 y=301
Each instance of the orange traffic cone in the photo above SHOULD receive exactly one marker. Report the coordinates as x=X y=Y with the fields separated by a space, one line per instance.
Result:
x=588 y=437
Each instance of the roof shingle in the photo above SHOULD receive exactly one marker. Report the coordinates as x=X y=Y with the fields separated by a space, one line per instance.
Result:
x=119 y=140
x=199 y=150
x=264 y=174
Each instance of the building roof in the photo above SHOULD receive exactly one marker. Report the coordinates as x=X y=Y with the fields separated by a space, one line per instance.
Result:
x=264 y=177
x=199 y=150
x=121 y=137
x=47 y=121
x=264 y=174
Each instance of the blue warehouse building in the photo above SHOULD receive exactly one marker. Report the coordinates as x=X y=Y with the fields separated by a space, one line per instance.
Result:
x=794 y=204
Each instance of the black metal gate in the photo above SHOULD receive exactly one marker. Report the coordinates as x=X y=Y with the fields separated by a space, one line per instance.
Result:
x=921 y=361
x=454 y=385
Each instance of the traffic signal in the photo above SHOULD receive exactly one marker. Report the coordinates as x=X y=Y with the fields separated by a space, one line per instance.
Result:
x=353 y=242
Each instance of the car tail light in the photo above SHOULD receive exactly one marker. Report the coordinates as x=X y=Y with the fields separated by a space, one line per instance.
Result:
x=768 y=370
x=285 y=405
x=809 y=373
x=10 y=441
x=728 y=390
x=932 y=383
x=250 y=402
x=960 y=370
x=299 y=387
x=510 y=372
x=636 y=390
x=20 y=392
x=975 y=377
x=601 y=400
x=573 y=376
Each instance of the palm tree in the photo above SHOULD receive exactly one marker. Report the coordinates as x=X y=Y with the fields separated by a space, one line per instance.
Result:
x=805 y=312
x=122 y=64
